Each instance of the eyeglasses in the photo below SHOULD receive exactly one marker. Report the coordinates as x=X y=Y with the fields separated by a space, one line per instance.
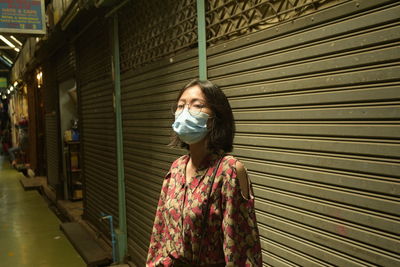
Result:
x=194 y=108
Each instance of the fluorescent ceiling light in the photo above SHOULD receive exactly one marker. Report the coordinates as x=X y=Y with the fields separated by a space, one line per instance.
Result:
x=11 y=88
x=8 y=92
x=4 y=39
x=16 y=40
x=15 y=83
x=5 y=61
x=16 y=49
x=6 y=58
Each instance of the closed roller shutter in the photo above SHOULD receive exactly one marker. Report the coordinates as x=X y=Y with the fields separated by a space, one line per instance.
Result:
x=50 y=87
x=316 y=102
x=52 y=150
x=66 y=63
x=96 y=88
x=154 y=68
x=33 y=125
x=147 y=97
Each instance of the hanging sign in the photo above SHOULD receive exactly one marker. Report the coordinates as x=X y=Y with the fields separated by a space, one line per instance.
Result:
x=22 y=16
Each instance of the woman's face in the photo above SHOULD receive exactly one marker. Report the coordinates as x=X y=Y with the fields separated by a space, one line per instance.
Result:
x=194 y=99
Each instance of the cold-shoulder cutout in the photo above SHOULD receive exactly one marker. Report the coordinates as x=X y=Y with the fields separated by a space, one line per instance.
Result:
x=243 y=180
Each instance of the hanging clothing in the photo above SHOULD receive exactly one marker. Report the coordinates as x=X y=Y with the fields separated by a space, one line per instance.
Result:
x=231 y=234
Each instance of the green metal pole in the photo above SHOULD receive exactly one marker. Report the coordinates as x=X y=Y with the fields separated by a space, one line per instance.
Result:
x=201 y=35
x=121 y=232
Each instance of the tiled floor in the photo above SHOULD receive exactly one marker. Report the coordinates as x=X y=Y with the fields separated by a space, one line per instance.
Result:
x=29 y=230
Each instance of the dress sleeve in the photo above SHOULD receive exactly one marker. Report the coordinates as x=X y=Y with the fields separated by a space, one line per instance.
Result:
x=241 y=241
x=155 y=252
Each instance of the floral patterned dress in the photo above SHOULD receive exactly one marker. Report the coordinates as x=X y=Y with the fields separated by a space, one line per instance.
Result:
x=231 y=233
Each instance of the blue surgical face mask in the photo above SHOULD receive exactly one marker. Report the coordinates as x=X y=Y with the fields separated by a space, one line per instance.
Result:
x=191 y=128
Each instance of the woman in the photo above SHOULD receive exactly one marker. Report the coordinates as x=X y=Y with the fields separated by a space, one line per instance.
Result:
x=205 y=214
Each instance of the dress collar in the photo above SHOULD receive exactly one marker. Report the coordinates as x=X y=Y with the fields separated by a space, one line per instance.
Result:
x=202 y=171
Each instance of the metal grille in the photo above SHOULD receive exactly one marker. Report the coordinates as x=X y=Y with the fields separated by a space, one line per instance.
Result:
x=230 y=19
x=96 y=53
x=66 y=63
x=50 y=87
x=151 y=29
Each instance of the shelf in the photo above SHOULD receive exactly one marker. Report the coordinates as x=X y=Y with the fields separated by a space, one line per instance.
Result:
x=73 y=170
x=72 y=142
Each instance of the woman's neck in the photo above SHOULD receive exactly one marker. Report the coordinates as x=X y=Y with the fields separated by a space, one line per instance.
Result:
x=198 y=152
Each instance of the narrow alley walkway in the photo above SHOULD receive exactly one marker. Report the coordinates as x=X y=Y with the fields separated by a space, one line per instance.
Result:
x=29 y=230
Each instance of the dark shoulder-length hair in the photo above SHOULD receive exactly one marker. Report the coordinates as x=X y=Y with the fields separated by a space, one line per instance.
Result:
x=221 y=124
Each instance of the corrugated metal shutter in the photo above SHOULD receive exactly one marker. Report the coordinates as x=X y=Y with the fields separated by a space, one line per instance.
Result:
x=316 y=102
x=66 y=63
x=95 y=89
x=33 y=113
x=146 y=100
x=52 y=150
x=50 y=87
x=154 y=67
